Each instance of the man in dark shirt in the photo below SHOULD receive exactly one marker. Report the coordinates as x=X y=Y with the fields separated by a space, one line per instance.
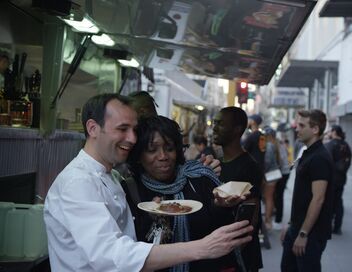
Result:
x=310 y=226
x=238 y=165
x=341 y=156
x=255 y=142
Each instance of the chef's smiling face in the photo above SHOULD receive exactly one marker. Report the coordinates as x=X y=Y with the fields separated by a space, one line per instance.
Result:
x=159 y=159
x=116 y=138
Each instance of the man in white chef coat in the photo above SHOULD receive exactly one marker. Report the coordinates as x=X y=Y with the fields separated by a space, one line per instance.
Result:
x=88 y=221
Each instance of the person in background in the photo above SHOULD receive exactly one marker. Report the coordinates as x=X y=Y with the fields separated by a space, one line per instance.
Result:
x=341 y=156
x=4 y=65
x=237 y=165
x=255 y=142
x=272 y=158
x=201 y=144
x=312 y=201
x=143 y=103
x=4 y=62
x=88 y=221
x=281 y=184
x=161 y=171
x=289 y=149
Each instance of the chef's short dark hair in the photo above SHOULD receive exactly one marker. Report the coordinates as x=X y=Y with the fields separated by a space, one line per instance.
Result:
x=95 y=108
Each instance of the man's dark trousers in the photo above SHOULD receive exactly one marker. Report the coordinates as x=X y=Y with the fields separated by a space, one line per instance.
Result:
x=310 y=261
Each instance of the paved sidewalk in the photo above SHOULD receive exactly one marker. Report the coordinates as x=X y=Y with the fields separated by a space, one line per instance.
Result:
x=337 y=256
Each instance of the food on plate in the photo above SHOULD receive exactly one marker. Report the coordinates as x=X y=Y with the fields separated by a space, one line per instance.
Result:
x=174 y=207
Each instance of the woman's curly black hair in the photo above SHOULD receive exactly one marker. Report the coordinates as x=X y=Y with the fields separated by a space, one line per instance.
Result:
x=168 y=129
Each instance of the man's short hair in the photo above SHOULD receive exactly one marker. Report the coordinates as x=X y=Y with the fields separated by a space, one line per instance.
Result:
x=143 y=95
x=338 y=130
x=270 y=131
x=95 y=108
x=256 y=118
x=238 y=116
x=316 y=118
x=143 y=103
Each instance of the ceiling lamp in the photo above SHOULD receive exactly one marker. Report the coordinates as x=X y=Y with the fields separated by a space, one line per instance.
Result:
x=85 y=25
x=199 y=107
x=131 y=63
x=103 y=39
x=292 y=3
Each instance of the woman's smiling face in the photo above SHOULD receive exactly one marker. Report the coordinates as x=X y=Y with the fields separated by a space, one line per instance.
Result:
x=159 y=159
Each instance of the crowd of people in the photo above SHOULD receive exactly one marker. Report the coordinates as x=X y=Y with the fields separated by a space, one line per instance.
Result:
x=132 y=155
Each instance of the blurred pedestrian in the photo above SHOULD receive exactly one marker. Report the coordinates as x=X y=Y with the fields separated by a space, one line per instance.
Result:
x=272 y=173
x=255 y=142
x=4 y=62
x=310 y=225
x=281 y=184
x=341 y=155
x=289 y=149
x=201 y=144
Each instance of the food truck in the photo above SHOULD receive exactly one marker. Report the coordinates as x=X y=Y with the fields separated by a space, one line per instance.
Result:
x=56 y=54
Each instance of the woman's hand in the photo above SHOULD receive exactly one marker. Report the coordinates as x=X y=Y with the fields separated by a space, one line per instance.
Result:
x=157 y=199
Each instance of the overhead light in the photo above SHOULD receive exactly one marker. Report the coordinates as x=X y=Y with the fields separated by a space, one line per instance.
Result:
x=199 y=107
x=209 y=123
x=85 y=25
x=292 y=3
x=103 y=39
x=130 y=63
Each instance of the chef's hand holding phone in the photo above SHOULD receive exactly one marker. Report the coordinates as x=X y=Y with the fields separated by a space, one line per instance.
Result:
x=246 y=211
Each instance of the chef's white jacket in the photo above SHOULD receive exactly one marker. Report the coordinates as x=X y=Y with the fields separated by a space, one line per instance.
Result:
x=89 y=223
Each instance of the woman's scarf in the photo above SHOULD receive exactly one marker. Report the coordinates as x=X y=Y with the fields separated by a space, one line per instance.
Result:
x=191 y=169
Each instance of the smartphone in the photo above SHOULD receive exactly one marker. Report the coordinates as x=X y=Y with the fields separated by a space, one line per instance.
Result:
x=245 y=211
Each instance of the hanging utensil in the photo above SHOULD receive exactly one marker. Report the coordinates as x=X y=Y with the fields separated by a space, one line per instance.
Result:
x=15 y=66
x=23 y=61
x=20 y=75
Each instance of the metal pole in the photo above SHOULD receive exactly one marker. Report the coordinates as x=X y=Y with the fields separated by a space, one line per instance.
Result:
x=53 y=47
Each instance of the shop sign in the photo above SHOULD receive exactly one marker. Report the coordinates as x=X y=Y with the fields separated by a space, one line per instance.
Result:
x=288 y=97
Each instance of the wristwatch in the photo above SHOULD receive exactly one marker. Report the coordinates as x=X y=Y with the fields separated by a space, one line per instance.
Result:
x=303 y=234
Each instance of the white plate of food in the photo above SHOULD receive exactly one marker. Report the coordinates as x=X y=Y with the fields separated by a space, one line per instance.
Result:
x=171 y=207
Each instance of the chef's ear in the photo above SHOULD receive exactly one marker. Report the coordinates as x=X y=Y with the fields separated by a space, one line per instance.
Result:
x=93 y=128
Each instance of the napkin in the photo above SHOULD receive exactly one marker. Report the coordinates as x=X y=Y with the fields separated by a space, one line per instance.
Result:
x=233 y=188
